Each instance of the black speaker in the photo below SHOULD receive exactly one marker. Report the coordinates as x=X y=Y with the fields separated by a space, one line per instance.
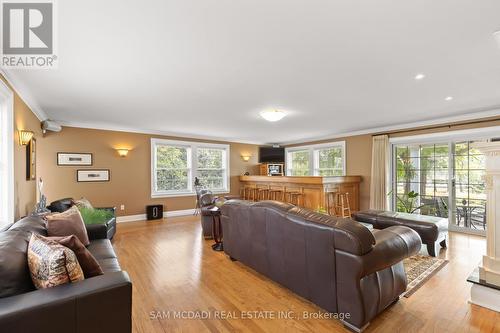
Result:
x=154 y=212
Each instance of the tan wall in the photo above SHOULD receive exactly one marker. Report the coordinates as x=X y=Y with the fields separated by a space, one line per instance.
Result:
x=24 y=190
x=130 y=183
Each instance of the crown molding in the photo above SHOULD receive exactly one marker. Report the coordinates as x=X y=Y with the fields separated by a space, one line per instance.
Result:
x=109 y=127
x=24 y=94
x=425 y=123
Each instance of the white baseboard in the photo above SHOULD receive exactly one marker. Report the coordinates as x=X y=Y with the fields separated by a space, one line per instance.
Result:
x=485 y=296
x=142 y=217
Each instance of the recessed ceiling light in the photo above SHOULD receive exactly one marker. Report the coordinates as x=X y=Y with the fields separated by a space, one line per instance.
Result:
x=419 y=76
x=449 y=98
x=496 y=35
x=272 y=115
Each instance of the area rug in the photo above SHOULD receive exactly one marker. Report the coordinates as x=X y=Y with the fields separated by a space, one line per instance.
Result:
x=419 y=269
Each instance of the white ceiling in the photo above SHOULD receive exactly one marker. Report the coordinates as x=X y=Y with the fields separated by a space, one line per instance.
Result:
x=206 y=68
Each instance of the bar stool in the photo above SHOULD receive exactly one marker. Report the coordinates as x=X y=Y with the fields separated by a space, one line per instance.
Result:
x=248 y=193
x=331 y=199
x=343 y=204
x=276 y=194
x=262 y=193
x=295 y=198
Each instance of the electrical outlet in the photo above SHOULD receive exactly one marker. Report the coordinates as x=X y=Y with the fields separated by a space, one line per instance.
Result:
x=122 y=207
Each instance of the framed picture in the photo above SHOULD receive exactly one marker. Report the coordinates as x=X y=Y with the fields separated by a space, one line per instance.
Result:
x=92 y=175
x=31 y=160
x=75 y=159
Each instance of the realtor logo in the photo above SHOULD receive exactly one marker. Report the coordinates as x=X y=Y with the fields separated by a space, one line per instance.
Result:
x=28 y=34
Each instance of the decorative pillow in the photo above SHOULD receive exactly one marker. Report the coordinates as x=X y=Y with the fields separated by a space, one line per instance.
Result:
x=83 y=203
x=88 y=263
x=67 y=223
x=52 y=264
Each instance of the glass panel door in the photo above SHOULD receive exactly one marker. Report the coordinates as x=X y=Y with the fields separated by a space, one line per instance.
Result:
x=422 y=177
x=469 y=204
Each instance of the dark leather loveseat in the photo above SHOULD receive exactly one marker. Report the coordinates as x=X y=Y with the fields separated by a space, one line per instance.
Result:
x=99 y=304
x=63 y=205
x=336 y=263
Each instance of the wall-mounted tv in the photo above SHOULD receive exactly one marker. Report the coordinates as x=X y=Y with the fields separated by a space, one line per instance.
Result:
x=270 y=155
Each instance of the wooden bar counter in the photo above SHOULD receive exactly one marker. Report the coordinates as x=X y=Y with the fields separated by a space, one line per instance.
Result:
x=313 y=188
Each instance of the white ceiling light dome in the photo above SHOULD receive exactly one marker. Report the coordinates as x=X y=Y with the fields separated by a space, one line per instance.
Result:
x=272 y=115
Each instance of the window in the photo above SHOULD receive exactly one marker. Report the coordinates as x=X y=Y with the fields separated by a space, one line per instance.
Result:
x=329 y=162
x=317 y=160
x=298 y=162
x=175 y=164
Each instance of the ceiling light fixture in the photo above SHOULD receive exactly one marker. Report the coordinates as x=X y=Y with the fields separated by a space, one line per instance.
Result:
x=449 y=98
x=272 y=115
x=496 y=35
x=419 y=77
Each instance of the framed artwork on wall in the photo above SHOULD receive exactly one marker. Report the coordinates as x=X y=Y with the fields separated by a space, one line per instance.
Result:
x=31 y=160
x=74 y=159
x=102 y=175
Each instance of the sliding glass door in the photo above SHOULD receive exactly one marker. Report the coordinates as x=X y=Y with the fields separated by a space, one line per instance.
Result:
x=442 y=179
x=469 y=204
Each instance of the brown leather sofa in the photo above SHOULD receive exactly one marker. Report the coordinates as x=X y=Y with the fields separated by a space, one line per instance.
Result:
x=336 y=263
x=100 y=304
x=432 y=230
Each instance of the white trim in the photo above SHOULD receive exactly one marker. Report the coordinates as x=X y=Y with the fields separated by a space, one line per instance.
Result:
x=466 y=134
x=111 y=127
x=312 y=149
x=23 y=91
x=7 y=141
x=143 y=217
x=485 y=297
x=424 y=123
x=192 y=147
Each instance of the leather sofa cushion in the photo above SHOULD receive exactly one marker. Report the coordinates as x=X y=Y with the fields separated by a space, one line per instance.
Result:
x=14 y=272
x=101 y=249
x=110 y=265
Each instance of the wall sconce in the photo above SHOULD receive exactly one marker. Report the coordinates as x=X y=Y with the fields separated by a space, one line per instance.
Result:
x=123 y=152
x=245 y=158
x=25 y=137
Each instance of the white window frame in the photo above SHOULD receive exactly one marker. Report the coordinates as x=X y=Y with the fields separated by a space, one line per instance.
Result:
x=312 y=149
x=192 y=166
x=6 y=154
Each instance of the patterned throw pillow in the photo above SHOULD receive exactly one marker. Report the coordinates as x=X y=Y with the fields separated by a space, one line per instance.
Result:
x=83 y=203
x=52 y=264
x=67 y=223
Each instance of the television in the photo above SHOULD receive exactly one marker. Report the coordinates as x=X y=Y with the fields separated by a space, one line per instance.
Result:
x=271 y=155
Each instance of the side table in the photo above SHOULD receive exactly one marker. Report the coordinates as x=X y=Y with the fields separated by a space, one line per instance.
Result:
x=216 y=229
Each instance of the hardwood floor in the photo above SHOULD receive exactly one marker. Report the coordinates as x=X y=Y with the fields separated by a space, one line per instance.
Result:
x=174 y=269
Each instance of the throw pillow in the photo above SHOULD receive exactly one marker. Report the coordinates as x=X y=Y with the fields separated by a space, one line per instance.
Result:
x=88 y=263
x=83 y=203
x=51 y=264
x=67 y=223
